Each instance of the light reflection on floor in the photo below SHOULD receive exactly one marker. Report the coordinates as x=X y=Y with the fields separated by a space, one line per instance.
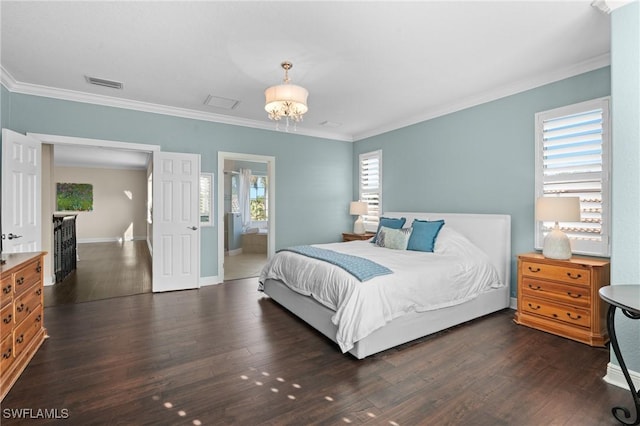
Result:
x=296 y=386
x=169 y=406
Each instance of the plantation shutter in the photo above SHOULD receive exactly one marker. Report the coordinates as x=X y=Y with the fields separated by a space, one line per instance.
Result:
x=573 y=160
x=371 y=187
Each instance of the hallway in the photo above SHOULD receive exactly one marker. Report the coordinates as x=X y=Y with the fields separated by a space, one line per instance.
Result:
x=104 y=270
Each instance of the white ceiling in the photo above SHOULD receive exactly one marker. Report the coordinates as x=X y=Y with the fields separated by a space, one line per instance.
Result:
x=371 y=66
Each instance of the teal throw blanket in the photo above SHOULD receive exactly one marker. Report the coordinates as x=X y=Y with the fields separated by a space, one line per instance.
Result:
x=361 y=268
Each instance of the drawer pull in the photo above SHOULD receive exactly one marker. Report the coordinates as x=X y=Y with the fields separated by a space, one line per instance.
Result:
x=7 y=319
x=576 y=318
x=20 y=281
x=536 y=288
x=7 y=354
x=7 y=289
x=575 y=296
x=38 y=268
x=574 y=277
x=20 y=308
x=531 y=306
x=39 y=291
x=534 y=269
x=20 y=338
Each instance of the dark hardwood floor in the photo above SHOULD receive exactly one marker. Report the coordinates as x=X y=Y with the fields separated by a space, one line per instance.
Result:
x=227 y=355
x=104 y=270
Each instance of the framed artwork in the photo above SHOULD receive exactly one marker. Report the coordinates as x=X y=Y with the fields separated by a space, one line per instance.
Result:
x=77 y=197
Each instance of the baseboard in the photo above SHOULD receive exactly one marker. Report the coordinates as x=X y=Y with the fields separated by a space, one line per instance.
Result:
x=211 y=280
x=234 y=252
x=109 y=239
x=49 y=280
x=513 y=303
x=616 y=377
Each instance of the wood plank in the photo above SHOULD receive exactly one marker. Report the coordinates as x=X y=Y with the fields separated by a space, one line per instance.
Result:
x=204 y=351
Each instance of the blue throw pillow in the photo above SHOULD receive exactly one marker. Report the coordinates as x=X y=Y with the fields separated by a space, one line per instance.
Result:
x=423 y=236
x=389 y=222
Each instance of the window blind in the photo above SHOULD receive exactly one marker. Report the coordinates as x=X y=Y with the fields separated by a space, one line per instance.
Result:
x=573 y=160
x=371 y=187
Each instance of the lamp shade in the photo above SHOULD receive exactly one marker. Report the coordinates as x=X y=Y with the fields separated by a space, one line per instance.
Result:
x=558 y=209
x=296 y=96
x=358 y=208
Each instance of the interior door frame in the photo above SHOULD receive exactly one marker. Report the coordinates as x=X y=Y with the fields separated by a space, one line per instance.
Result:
x=78 y=141
x=271 y=209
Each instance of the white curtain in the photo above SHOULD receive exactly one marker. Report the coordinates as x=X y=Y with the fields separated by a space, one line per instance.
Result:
x=243 y=197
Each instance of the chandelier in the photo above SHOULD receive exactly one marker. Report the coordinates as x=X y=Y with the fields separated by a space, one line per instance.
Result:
x=286 y=100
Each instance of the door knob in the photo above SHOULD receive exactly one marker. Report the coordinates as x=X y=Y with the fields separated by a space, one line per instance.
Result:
x=13 y=236
x=193 y=228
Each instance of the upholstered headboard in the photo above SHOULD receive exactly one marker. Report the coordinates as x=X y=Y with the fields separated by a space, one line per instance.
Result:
x=490 y=232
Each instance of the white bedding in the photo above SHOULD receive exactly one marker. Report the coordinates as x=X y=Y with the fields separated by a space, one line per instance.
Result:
x=455 y=272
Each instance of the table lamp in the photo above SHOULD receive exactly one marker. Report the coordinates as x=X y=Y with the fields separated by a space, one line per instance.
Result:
x=557 y=209
x=358 y=208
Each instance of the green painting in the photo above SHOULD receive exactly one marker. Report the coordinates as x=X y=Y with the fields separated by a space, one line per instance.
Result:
x=77 y=197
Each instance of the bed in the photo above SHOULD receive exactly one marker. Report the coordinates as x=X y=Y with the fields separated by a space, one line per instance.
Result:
x=490 y=234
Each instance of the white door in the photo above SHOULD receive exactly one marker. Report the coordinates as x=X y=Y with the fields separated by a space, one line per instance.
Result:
x=21 y=188
x=176 y=221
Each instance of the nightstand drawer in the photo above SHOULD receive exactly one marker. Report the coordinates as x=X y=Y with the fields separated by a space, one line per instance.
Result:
x=576 y=276
x=558 y=312
x=573 y=295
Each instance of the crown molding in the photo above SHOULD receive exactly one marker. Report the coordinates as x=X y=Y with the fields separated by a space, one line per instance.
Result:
x=492 y=95
x=15 y=86
x=507 y=90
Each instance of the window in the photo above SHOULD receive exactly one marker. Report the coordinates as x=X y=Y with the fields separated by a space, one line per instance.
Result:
x=206 y=199
x=370 y=178
x=573 y=159
x=258 y=198
x=150 y=198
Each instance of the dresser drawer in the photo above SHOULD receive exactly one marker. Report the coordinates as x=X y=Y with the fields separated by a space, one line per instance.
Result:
x=556 y=311
x=6 y=320
x=26 y=331
x=573 y=295
x=27 y=276
x=576 y=276
x=6 y=290
x=6 y=351
x=27 y=302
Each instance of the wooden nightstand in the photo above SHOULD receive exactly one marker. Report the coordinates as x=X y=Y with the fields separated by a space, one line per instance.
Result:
x=350 y=236
x=561 y=297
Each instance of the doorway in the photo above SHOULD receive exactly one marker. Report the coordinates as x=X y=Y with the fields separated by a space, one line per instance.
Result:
x=168 y=227
x=246 y=214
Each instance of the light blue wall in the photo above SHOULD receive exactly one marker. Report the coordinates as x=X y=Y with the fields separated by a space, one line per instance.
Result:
x=478 y=160
x=313 y=175
x=625 y=88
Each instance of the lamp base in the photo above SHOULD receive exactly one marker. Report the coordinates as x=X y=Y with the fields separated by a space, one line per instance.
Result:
x=358 y=226
x=556 y=245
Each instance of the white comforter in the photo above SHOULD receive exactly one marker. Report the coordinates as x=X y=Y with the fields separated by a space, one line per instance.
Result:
x=456 y=272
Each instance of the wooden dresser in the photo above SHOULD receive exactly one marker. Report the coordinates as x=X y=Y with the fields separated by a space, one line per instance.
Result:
x=21 y=315
x=561 y=297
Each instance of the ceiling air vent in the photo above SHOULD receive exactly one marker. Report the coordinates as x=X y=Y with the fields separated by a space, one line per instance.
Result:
x=105 y=83
x=218 y=102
